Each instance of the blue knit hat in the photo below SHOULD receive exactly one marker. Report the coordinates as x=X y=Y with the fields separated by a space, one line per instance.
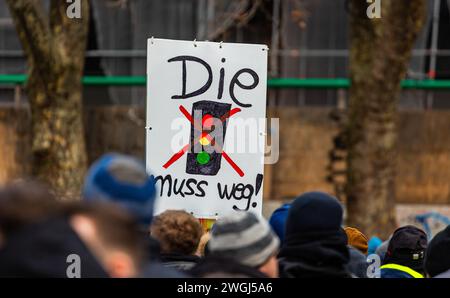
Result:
x=374 y=243
x=123 y=180
x=278 y=221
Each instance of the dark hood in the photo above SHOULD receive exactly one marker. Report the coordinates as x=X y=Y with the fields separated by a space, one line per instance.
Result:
x=41 y=250
x=299 y=269
x=315 y=244
x=437 y=260
x=315 y=254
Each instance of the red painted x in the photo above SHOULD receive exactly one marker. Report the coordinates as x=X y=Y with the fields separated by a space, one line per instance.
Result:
x=198 y=127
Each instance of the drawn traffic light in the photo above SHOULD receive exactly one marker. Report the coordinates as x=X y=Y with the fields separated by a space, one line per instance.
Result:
x=205 y=149
x=205 y=155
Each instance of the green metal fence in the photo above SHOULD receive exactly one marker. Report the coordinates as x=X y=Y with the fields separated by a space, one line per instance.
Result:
x=275 y=83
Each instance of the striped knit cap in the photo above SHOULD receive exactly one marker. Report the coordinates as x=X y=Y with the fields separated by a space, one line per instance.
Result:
x=243 y=237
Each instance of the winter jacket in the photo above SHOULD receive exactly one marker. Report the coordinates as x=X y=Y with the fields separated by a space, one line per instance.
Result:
x=319 y=254
x=358 y=263
x=42 y=250
x=398 y=271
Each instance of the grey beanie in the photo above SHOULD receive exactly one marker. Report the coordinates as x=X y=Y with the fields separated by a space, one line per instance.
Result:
x=243 y=237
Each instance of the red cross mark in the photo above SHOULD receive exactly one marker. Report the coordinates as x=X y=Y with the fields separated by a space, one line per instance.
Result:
x=198 y=127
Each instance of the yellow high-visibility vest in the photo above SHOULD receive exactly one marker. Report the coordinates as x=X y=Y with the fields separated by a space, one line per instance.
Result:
x=408 y=270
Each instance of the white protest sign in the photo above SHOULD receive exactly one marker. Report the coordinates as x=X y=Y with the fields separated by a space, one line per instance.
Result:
x=206 y=108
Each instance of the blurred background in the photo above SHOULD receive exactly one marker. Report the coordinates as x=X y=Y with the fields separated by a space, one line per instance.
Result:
x=309 y=40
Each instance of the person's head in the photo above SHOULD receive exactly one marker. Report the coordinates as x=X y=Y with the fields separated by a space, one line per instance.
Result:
x=48 y=248
x=111 y=235
x=437 y=257
x=314 y=234
x=382 y=248
x=122 y=180
x=407 y=247
x=25 y=203
x=248 y=240
x=314 y=212
x=177 y=231
x=278 y=221
x=357 y=239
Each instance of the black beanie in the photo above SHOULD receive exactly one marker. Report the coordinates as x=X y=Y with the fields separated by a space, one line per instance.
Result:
x=407 y=247
x=314 y=212
x=437 y=258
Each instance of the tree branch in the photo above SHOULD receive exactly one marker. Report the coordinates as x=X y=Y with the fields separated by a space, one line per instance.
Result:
x=239 y=8
x=32 y=27
x=69 y=35
x=34 y=33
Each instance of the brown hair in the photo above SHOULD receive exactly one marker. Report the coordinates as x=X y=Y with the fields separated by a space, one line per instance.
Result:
x=25 y=203
x=177 y=231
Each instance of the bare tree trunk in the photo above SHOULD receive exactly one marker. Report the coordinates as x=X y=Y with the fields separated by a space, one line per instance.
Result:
x=379 y=56
x=55 y=47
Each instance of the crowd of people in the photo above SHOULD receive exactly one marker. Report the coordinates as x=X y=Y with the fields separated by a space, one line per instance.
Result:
x=111 y=232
